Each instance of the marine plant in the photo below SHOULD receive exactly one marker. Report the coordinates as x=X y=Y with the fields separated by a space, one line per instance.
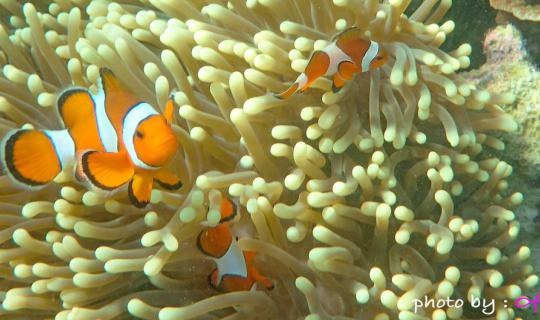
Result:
x=357 y=203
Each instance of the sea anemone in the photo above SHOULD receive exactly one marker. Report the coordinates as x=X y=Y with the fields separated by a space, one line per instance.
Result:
x=357 y=203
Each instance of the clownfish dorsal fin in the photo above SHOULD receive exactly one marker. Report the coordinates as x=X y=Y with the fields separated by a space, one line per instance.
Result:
x=348 y=35
x=108 y=80
x=353 y=44
x=117 y=98
x=105 y=170
x=169 y=110
x=227 y=210
x=80 y=111
x=75 y=105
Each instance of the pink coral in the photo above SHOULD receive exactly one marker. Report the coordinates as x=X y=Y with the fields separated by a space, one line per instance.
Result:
x=508 y=69
x=504 y=44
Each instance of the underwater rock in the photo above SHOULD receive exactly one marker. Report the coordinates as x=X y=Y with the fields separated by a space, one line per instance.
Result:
x=521 y=9
x=508 y=69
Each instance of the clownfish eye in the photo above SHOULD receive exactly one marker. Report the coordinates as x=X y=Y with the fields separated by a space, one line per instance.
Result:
x=138 y=134
x=379 y=58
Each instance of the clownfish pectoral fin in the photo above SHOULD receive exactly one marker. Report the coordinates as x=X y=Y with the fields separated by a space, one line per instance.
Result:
x=167 y=179
x=213 y=279
x=231 y=283
x=347 y=69
x=337 y=83
x=105 y=170
x=140 y=189
x=169 y=110
x=29 y=157
x=264 y=281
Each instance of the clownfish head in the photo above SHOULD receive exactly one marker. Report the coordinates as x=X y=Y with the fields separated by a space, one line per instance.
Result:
x=148 y=136
x=154 y=141
x=379 y=60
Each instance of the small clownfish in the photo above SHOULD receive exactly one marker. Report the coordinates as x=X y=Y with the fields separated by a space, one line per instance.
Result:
x=234 y=268
x=345 y=56
x=112 y=138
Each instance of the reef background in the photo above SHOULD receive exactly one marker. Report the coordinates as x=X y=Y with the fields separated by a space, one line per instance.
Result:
x=511 y=67
x=473 y=20
x=505 y=58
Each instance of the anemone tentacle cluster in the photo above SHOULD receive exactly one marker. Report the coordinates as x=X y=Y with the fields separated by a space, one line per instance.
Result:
x=357 y=202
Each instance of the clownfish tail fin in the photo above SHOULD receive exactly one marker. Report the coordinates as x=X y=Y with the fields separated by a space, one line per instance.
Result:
x=33 y=158
x=317 y=66
x=287 y=93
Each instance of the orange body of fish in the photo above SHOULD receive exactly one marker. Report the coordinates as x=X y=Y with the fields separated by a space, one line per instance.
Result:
x=111 y=138
x=234 y=268
x=346 y=55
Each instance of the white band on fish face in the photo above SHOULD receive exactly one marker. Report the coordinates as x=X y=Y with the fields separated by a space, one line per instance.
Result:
x=132 y=120
x=371 y=53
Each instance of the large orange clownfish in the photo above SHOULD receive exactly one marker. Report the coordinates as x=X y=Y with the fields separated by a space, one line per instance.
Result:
x=234 y=268
x=112 y=138
x=346 y=55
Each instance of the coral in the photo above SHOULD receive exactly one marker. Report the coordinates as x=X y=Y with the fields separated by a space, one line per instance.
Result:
x=508 y=69
x=521 y=9
x=357 y=202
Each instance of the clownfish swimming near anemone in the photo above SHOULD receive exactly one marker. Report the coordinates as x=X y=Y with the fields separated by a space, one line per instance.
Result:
x=112 y=138
x=234 y=268
x=346 y=55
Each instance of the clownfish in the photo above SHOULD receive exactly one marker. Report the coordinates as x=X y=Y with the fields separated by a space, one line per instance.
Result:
x=111 y=138
x=234 y=268
x=346 y=55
